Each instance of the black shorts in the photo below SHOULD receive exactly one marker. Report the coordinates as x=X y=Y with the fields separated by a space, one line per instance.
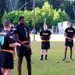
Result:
x=21 y=51
x=67 y=43
x=7 y=60
x=0 y=71
x=0 y=64
x=45 y=45
x=0 y=58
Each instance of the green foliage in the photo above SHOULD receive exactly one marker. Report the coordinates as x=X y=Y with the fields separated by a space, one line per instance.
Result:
x=65 y=16
x=12 y=16
x=39 y=3
x=5 y=17
x=28 y=16
x=47 y=12
x=56 y=17
x=38 y=17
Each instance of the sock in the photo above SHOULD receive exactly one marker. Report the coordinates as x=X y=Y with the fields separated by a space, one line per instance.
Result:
x=65 y=56
x=41 y=56
x=45 y=56
x=71 y=57
x=29 y=73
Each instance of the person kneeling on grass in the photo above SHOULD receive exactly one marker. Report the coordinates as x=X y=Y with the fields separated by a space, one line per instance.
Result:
x=45 y=44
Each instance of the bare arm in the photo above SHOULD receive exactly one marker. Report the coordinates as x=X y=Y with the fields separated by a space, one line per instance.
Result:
x=29 y=39
x=41 y=37
x=14 y=44
x=70 y=39
x=73 y=37
x=49 y=36
x=66 y=35
x=17 y=40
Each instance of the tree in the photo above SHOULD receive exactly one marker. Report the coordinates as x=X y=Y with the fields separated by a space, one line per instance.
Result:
x=47 y=13
x=39 y=3
x=67 y=5
x=2 y=9
x=27 y=4
x=72 y=5
x=52 y=16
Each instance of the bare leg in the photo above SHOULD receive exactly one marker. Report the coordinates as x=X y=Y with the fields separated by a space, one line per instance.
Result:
x=65 y=53
x=14 y=53
x=42 y=53
x=46 y=54
x=3 y=70
x=28 y=58
x=71 y=53
x=19 y=65
x=8 y=72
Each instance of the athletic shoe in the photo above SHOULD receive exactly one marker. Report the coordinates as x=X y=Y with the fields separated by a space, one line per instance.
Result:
x=46 y=59
x=64 y=59
x=71 y=59
x=41 y=59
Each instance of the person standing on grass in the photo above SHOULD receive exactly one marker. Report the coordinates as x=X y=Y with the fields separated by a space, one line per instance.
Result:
x=14 y=53
x=7 y=46
x=0 y=56
x=0 y=62
x=69 y=36
x=21 y=33
x=45 y=36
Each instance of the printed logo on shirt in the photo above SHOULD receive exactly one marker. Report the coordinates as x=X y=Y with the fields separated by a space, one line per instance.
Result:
x=70 y=30
x=26 y=32
x=11 y=37
x=14 y=29
x=45 y=33
x=3 y=33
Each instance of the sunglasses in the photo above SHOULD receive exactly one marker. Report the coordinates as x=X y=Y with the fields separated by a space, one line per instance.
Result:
x=12 y=27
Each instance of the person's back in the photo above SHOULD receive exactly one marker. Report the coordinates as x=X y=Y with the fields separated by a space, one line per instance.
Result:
x=7 y=45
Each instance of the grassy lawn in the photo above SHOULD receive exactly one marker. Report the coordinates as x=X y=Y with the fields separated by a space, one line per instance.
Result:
x=49 y=67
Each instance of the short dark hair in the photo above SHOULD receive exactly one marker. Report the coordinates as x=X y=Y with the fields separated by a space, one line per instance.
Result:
x=71 y=22
x=21 y=17
x=6 y=23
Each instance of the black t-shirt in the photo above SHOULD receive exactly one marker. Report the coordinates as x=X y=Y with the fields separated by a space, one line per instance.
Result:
x=45 y=34
x=8 y=39
x=22 y=31
x=70 y=32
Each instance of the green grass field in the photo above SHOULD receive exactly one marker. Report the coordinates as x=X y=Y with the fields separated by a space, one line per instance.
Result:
x=49 y=67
